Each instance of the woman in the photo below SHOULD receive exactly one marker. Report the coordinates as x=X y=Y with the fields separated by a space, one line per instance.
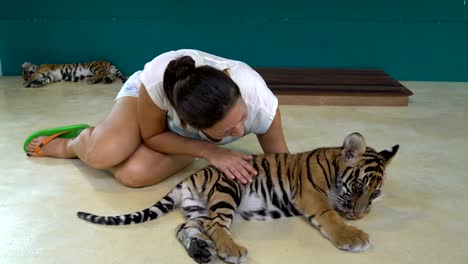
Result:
x=182 y=105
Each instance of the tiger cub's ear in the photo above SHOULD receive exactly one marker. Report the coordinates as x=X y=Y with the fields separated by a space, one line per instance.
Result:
x=354 y=146
x=389 y=154
x=26 y=64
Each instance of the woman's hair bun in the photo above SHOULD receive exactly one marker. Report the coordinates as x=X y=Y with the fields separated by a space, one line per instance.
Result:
x=181 y=67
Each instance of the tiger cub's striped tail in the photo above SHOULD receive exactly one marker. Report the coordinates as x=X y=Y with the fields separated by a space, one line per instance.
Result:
x=163 y=206
x=119 y=75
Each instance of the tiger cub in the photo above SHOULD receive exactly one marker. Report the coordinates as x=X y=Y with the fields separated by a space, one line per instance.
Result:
x=319 y=185
x=94 y=72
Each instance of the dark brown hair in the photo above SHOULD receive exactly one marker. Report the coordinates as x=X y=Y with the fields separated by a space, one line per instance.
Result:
x=201 y=95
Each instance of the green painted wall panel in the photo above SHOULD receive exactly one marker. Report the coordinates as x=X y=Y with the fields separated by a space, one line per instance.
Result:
x=411 y=40
x=170 y=9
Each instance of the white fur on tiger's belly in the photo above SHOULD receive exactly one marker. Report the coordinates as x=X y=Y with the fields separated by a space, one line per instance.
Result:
x=84 y=72
x=56 y=74
x=251 y=204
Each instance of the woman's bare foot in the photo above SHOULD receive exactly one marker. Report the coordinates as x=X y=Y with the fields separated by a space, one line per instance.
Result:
x=57 y=148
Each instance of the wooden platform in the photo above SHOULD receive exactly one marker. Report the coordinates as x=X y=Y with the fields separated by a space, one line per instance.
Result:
x=344 y=87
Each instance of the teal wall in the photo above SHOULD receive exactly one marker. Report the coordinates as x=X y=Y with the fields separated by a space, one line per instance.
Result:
x=410 y=39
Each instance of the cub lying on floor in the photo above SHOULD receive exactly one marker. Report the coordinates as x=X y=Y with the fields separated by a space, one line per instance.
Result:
x=94 y=72
x=319 y=185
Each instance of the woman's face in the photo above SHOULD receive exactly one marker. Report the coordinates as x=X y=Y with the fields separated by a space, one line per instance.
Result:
x=231 y=125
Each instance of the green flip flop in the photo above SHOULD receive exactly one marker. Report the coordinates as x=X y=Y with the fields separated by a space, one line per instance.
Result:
x=63 y=132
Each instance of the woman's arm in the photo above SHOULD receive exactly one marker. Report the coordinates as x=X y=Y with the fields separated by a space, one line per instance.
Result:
x=273 y=140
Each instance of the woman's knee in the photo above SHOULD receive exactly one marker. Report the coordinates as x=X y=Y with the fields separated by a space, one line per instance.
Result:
x=135 y=176
x=100 y=151
x=113 y=140
x=147 y=167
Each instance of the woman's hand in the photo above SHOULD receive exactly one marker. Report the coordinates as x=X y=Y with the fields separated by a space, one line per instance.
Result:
x=232 y=163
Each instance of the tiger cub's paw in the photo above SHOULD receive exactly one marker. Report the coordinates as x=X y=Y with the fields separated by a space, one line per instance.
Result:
x=34 y=84
x=232 y=253
x=198 y=245
x=108 y=80
x=92 y=81
x=350 y=238
x=201 y=251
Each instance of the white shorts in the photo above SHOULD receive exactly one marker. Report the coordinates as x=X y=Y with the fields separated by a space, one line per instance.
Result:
x=131 y=87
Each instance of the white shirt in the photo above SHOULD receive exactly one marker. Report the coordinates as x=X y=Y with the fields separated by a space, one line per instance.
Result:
x=261 y=102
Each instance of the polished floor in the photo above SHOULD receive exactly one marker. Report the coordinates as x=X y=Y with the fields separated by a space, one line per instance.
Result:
x=422 y=218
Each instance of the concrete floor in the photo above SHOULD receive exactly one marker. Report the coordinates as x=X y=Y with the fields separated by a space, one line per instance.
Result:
x=422 y=217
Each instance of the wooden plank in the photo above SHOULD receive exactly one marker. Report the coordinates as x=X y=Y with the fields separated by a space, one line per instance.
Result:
x=325 y=76
x=339 y=89
x=312 y=86
x=343 y=100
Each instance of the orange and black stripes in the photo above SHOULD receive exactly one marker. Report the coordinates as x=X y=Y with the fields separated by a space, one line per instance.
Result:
x=283 y=179
x=315 y=184
x=94 y=72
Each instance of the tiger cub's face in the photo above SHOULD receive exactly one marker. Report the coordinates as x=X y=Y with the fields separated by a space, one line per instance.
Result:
x=28 y=70
x=360 y=178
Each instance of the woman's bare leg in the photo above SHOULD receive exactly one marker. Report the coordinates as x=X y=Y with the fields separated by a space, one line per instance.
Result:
x=107 y=144
x=147 y=167
x=115 y=144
